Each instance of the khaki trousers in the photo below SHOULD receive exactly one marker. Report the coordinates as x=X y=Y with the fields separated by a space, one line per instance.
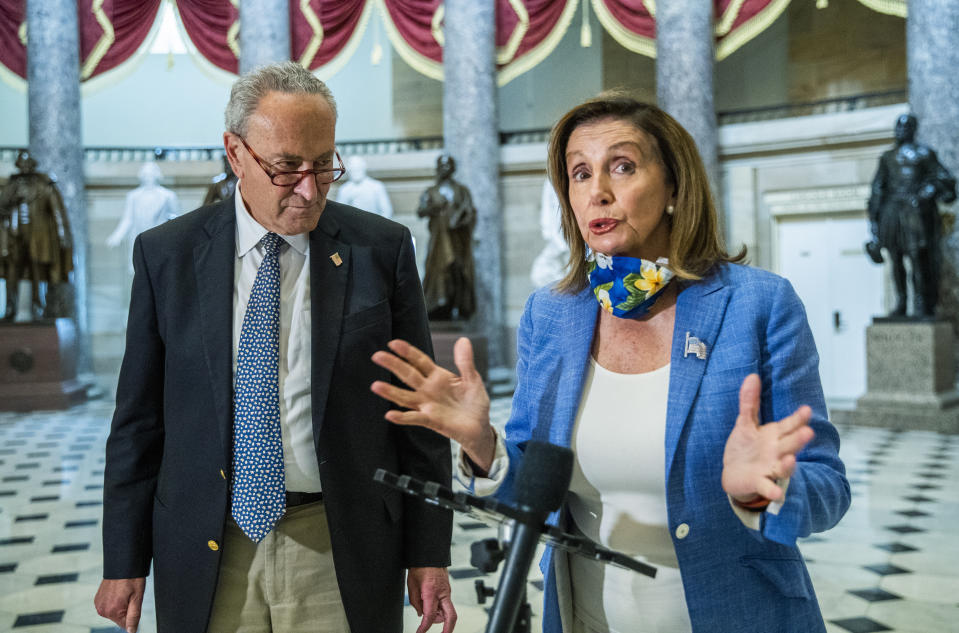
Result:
x=284 y=584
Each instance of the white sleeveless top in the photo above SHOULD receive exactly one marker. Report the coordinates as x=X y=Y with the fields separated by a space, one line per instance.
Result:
x=618 y=499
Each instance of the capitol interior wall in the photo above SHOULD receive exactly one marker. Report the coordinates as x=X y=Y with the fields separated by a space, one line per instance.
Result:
x=805 y=164
x=770 y=168
x=845 y=49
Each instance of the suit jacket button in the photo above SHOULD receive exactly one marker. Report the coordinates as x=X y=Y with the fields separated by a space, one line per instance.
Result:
x=682 y=530
x=222 y=474
x=213 y=545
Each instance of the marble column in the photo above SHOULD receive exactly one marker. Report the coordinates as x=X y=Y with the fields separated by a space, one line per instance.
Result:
x=264 y=33
x=932 y=55
x=685 y=59
x=53 y=94
x=471 y=136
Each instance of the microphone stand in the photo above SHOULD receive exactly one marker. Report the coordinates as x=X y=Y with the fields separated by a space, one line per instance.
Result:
x=542 y=482
x=485 y=555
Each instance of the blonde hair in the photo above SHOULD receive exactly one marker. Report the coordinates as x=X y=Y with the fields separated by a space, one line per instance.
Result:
x=695 y=245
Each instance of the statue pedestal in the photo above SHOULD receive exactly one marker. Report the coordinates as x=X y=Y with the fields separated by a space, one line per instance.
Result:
x=910 y=378
x=38 y=366
x=445 y=334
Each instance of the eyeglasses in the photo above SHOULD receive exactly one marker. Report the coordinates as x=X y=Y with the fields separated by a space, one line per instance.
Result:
x=290 y=178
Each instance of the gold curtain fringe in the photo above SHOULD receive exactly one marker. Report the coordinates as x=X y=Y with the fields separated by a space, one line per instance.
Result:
x=541 y=51
x=104 y=80
x=336 y=64
x=126 y=68
x=233 y=33
x=750 y=29
x=103 y=44
x=529 y=60
x=207 y=67
x=636 y=43
x=508 y=52
x=316 y=40
x=728 y=18
x=890 y=7
x=13 y=80
x=420 y=63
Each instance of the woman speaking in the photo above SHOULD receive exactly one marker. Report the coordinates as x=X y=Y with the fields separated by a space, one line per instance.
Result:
x=686 y=384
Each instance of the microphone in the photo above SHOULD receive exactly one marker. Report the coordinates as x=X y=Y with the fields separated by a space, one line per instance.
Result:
x=491 y=510
x=541 y=485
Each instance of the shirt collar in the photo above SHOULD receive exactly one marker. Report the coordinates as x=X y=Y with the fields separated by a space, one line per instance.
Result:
x=249 y=232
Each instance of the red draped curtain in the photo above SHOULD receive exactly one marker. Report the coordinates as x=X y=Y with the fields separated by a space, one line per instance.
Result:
x=409 y=26
x=111 y=31
x=325 y=32
x=214 y=28
x=321 y=30
x=633 y=24
x=526 y=32
x=13 y=32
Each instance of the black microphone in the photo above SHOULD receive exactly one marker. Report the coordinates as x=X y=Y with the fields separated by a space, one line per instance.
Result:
x=541 y=486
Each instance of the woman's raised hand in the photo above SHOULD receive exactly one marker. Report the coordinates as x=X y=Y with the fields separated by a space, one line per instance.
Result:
x=454 y=406
x=757 y=455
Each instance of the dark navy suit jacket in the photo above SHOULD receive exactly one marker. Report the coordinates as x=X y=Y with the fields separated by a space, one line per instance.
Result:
x=168 y=457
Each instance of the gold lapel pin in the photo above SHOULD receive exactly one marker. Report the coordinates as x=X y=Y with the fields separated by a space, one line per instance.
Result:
x=336 y=259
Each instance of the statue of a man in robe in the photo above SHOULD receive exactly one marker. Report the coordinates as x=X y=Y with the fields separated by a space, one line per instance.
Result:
x=363 y=192
x=35 y=240
x=146 y=206
x=449 y=280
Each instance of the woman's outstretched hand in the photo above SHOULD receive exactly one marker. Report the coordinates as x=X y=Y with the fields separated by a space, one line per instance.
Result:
x=757 y=455
x=454 y=406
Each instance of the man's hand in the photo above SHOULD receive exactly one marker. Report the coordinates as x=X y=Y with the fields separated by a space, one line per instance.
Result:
x=121 y=600
x=757 y=455
x=429 y=590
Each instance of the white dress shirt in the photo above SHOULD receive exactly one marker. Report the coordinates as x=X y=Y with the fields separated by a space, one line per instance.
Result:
x=296 y=420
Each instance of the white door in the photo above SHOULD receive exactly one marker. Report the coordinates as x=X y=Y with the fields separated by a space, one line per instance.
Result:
x=842 y=290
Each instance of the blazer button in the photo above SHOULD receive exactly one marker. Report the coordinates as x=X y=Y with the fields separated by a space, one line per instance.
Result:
x=213 y=545
x=222 y=474
x=682 y=530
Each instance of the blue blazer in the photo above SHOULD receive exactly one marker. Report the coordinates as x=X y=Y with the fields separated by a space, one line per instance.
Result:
x=751 y=321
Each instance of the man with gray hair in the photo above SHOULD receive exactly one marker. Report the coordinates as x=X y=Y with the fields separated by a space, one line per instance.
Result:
x=241 y=456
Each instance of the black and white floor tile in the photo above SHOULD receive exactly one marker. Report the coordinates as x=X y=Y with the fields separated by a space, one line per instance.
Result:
x=892 y=564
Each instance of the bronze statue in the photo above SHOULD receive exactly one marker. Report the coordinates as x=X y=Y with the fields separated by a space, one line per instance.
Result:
x=35 y=238
x=904 y=216
x=223 y=185
x=448 y=282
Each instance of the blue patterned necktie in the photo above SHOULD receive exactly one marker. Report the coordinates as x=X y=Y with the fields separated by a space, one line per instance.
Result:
x=259 y=484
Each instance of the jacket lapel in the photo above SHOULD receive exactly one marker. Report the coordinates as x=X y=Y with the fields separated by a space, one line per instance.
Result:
x=574 y=343
x=214 y=260
x=328 y=282
x=699 y=312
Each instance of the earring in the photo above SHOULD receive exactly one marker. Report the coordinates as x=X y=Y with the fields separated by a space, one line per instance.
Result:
x=670 y=209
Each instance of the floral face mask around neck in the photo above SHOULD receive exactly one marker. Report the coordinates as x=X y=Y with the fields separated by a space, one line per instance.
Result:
x=626 y=287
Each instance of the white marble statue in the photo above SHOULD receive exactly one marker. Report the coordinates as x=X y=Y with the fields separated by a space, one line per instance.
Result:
x=550 y=264
x=363 y=192
x=148 y=205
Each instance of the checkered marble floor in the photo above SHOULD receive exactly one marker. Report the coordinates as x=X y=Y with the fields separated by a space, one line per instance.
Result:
x=891 y=565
